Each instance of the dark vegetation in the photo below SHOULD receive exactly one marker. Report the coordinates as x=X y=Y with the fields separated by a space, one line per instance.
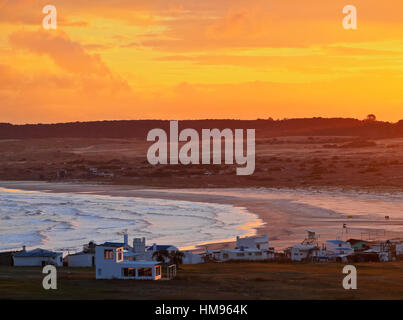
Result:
x=264 y=128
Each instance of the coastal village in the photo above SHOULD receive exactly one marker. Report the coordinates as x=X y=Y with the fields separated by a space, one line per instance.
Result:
x=136 y=260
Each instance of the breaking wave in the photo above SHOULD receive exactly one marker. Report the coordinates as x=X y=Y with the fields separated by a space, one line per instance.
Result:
x=68 y=220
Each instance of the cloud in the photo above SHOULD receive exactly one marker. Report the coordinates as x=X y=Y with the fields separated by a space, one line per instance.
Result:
x=66 y=53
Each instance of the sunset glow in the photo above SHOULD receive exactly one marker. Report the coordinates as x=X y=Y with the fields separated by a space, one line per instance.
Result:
x=196 y=59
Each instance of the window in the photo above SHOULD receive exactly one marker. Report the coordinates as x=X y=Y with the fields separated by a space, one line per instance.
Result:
x=108 y=254
x=258 y=246
x=258 y=253
x=145 y=272
x=157 y=270
x=240 y=254
x=120 y=254
x=129 y=272
x=225 y=255
x=249 y=253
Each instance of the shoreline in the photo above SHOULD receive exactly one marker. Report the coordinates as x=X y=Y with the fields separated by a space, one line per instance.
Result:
x=284 y=224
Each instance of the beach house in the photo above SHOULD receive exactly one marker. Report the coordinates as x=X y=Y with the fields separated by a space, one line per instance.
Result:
x=308 y=250
x=84 y=258
x=304 y=252
x=81 y=259
x=110 y=264
x=338 y=247
x=359 y=245
x=243 y=254
x=247 y=248
x=386 y=250
x=254 y=242
x=38 y=257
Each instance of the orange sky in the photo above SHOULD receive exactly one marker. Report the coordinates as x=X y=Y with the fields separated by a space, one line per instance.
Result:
x=181 y=59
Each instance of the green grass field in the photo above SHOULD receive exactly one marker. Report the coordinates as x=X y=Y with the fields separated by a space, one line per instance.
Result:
x=214 y=281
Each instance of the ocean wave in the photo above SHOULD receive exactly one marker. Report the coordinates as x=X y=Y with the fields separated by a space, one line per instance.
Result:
x=60 y=220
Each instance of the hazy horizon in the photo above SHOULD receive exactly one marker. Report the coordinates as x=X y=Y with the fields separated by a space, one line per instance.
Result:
x=194 y=119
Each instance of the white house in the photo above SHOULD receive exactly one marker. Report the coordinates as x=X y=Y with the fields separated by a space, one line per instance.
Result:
x=243 y=254
x=247 y=248
x=255 y=242
x=110 y=264
x=301 y=252
x=338 y=247
x=81 y=259
x=38 y=257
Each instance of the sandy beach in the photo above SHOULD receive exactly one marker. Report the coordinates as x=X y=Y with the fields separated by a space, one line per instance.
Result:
x=285 y=213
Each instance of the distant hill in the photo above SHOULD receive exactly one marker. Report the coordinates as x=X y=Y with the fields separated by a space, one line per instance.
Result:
x=264 y=128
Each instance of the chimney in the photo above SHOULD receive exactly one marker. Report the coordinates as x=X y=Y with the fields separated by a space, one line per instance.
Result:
x=126 y=239
x=24 y=248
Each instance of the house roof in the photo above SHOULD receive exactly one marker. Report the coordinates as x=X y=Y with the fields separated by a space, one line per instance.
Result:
x=37 y=253
x=335 y=241
x=159 y=247
x=355 y=241
x=81 y=254
x=113 y=244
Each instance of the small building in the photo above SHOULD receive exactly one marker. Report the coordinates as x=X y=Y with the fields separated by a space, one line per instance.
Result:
x=386 y=250
x=81 y=259
x=304 y=252
x=110 y=264
x=85 y=258
x=307 y=250
x=255 y=242
x=38 y=257
x=243 y=254
x=247 y=249
x=338 y=247
x=359 y=245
